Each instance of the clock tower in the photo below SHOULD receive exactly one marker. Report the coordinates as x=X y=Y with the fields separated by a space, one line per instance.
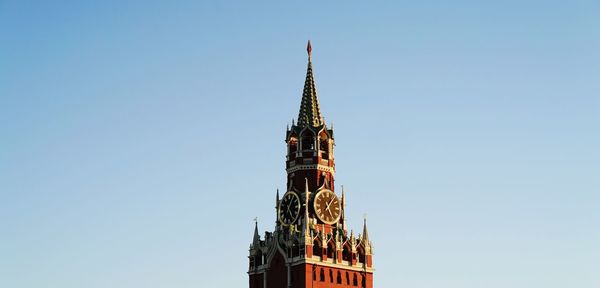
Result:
x=310 y=246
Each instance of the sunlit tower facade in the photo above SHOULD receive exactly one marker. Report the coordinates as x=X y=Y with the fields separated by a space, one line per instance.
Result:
x=310 y=246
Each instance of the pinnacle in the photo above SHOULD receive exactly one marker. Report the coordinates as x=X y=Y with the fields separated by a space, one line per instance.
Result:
x=365 y=234
x=256 y=237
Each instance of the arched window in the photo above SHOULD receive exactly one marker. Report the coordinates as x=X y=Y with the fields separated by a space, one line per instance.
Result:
x=331 y=250
x=308 y=141
x=314 y=275
x=339 y=278
x=354 y=280
x=324 y=145
x=258 y=260
x=347 y=278
x=293 y=145
x=317 y=249
x=295 y=249
x=322 y=278
x=361 y=254
x=347 y=253
x=330 y=276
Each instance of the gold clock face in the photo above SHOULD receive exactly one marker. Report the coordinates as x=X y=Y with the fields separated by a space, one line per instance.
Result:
x=289 y=208
x=327 y=206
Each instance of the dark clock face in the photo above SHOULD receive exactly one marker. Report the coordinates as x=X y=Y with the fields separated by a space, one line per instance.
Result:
x=289 y=208
x=327 y=206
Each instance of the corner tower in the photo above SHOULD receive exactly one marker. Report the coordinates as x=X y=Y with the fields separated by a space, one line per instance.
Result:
x=310 y=246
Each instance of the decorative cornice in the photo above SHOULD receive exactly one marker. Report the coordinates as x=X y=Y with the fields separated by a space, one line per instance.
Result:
x=320 y=167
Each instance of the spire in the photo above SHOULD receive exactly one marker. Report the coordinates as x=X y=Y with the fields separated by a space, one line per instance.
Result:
x=256 y=238
x=343 y=208
x=310 y=114
x=343 y=198
x=365 y=234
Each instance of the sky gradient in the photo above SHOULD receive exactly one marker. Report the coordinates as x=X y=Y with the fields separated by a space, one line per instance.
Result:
x=140 y=138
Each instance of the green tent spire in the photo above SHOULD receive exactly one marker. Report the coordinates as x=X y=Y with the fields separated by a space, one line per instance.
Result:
x=310 y=114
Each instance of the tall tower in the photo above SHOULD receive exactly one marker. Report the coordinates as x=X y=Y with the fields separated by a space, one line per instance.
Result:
x=311 y=246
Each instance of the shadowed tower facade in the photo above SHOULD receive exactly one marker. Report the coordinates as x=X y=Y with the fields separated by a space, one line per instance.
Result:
x=310 y=246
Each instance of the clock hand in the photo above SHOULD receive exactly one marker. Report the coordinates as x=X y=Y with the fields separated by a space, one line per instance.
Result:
x=329 y=209
x=329 y=204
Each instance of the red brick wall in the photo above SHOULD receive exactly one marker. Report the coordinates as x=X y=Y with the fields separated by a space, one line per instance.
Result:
x=312 y=277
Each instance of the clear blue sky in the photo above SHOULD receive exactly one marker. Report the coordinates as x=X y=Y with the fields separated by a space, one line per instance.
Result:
x=140 y=138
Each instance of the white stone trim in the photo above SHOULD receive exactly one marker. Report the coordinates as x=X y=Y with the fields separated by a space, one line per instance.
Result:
x=333 y=265
x=311 y=167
